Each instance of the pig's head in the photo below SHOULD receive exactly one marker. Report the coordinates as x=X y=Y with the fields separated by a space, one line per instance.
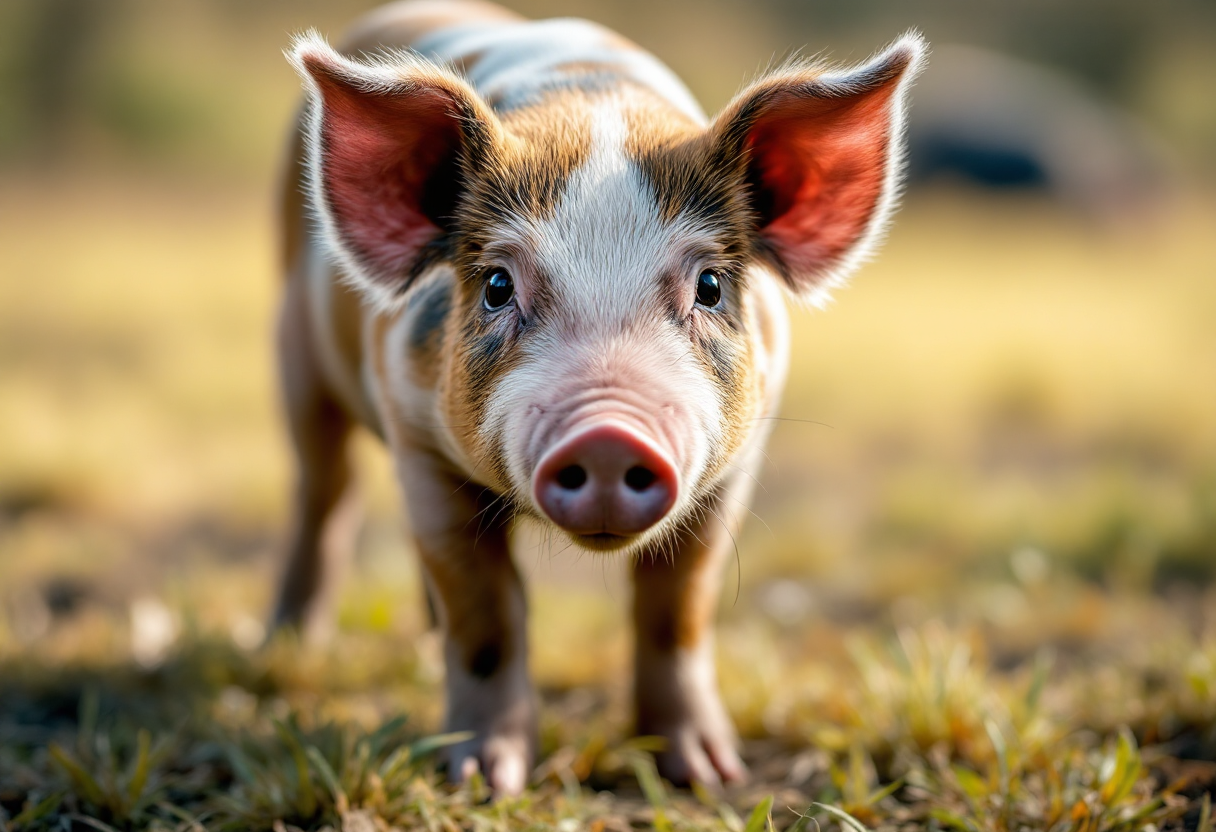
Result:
x=603 y=261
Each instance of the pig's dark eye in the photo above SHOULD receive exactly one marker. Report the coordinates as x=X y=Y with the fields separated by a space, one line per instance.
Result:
x=709 y=289
x=500 y=288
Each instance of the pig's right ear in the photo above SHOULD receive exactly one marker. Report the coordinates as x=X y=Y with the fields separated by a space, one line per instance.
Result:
x=389 y=141
x=822 y=152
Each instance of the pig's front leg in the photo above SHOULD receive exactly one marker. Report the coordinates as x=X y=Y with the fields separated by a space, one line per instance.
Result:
x=676 y=686
x=461 y=531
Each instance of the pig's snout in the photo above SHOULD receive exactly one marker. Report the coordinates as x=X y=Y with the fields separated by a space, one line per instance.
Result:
x=605 y=480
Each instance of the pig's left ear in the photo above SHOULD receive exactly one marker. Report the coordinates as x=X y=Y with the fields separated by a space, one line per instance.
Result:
x=389 y=143
x=823 y=153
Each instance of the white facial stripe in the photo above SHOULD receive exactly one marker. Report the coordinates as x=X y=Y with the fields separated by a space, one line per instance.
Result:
x=605 y=251
x=516 y=61
x=605 y=248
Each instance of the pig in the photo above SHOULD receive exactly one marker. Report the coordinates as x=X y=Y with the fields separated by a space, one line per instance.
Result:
x=520 y=254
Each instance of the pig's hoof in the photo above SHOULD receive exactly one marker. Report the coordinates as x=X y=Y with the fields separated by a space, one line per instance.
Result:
x=504 y=759
x=707 y=757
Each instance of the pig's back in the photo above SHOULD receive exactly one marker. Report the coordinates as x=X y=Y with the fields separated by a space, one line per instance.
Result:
x=513 y=62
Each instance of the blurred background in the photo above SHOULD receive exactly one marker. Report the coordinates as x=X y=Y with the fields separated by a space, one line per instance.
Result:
x=1006 y=424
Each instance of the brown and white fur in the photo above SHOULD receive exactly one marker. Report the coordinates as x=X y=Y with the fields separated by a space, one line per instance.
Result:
x=450 y=142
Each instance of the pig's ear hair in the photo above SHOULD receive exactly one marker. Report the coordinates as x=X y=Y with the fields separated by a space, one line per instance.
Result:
x=389 y=140
x=823 y=154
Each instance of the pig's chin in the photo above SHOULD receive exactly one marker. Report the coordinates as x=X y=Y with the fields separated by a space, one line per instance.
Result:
x=607 y=543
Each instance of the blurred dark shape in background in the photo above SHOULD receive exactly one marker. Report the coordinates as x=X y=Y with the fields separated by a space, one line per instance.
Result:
x=1005 y=124
x=53 y=59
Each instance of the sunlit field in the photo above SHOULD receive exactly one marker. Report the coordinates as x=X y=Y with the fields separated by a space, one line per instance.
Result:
x=976 y=589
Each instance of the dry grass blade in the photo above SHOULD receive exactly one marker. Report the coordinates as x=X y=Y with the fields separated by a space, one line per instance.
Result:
x=844 y=817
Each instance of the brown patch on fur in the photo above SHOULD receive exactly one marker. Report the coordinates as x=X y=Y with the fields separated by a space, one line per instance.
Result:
x=546 y=143
x=478 y=351
x=689 y=172
x=729 y=358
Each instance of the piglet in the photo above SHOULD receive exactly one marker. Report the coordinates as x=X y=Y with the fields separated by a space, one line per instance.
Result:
x=520 y=254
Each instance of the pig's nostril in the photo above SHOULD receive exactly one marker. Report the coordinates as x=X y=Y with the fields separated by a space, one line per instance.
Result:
x=639 y=478
x=572 y=477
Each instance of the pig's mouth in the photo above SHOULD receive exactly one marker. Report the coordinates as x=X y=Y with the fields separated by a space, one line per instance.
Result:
x=603 y=541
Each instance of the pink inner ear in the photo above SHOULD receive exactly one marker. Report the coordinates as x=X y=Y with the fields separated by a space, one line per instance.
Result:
x=821 y=164
x=379 y=154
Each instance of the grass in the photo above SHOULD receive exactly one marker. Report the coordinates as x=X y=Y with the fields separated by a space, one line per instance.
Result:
x=977 y=596
x=917 y=731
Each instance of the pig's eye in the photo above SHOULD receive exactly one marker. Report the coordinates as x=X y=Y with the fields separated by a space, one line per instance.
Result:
x=709 y=289
x=500 y=288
